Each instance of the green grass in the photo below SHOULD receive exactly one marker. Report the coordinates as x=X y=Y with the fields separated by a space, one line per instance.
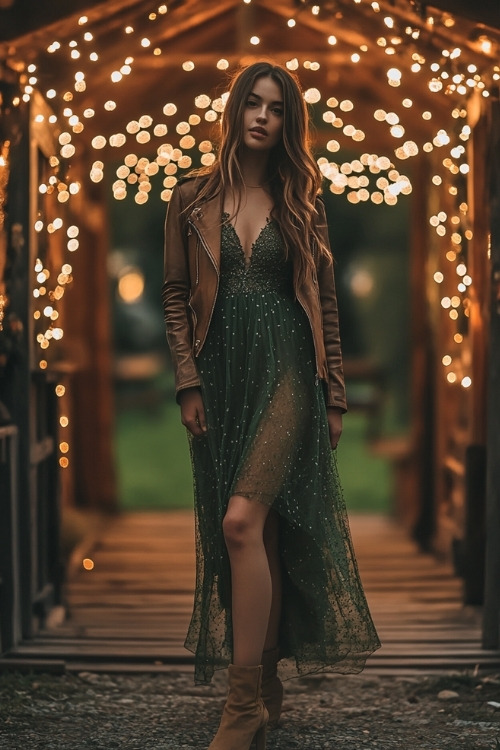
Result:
x=366 y=478
x=154 y=469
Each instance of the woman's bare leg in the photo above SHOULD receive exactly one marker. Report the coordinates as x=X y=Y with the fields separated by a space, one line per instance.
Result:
x=251 y=585
x=271 y=538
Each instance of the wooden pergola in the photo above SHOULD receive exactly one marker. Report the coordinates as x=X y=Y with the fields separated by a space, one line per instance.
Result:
x=450 y=484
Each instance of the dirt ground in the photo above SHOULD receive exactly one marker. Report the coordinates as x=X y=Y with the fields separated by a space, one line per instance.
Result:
x=76 y=711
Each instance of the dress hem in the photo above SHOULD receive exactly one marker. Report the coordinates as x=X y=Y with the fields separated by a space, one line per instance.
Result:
x=338 y=667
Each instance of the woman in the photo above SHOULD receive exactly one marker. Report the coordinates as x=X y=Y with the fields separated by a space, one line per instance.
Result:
x=251 y=318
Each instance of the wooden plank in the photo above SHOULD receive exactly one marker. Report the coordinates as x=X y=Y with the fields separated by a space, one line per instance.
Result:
x=134 y=607
x=410 y=649
x=19 y=664
x=134 y=652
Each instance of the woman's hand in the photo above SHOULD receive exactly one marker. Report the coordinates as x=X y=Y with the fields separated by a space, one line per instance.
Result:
x=335 y=424
x=192 y=411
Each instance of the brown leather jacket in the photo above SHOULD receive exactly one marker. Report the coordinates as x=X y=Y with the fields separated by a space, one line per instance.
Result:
x=192 y=267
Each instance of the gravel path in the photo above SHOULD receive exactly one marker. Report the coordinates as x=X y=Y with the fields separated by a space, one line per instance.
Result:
x=166 y=711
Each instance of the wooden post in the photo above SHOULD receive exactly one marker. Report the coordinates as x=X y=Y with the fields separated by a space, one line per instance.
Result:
x=475 y=493
x=422 y=518
x=478 y=268
x=10 y=621
x=491 y=623
x=17 y=387
x=88 y=326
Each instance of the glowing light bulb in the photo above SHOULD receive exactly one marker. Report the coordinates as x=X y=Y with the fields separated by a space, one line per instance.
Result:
x=394 y=74
x=435 y=85
x=312 y=96
x=397 y=131
x=485 y=44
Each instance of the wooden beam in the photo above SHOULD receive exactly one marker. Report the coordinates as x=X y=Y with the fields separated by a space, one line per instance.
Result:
x=491 y=625
x=478 y=269
x=481 y=11
x=356 y=24
x=10 y=615
x=25 y=18
x=17 y=387
x=417 y=511
x=478 y=262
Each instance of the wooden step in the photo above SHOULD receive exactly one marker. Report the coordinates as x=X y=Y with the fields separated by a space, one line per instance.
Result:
x=132 y=611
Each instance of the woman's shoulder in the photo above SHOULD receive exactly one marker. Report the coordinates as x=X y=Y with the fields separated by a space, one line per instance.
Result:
x=188 y=186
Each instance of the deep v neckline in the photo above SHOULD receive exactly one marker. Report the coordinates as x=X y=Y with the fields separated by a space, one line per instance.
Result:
x=247 y=258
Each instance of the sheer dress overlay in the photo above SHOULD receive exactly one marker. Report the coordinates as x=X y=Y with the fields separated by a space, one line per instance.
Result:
x=268 y=440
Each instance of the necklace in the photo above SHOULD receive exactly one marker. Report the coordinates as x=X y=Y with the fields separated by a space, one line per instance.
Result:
x=254 y=186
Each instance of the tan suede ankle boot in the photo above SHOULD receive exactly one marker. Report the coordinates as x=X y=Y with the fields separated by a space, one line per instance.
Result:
x=244 y=719
x=272 y=689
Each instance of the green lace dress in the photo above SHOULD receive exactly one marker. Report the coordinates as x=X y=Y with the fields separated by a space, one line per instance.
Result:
x=268 y=440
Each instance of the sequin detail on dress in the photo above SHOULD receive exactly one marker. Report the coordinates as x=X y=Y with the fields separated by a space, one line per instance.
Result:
x=262 y=271
x=268 y=440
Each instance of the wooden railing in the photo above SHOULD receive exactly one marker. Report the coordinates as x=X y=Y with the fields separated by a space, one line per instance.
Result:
x=10 y=617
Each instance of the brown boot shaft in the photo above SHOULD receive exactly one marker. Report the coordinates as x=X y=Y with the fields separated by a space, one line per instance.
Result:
x=272 y=689
x=245 y=717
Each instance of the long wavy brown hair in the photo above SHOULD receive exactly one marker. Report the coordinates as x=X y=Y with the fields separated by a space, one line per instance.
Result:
x=293 y=175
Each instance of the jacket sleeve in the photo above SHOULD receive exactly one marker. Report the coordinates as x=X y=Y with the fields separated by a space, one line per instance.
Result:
x=175 y=295
x=335 y=395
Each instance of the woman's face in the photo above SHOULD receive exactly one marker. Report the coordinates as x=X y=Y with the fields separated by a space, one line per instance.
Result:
x=263 y=115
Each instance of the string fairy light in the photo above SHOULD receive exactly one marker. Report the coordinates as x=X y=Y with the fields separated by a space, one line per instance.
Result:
x=450 y=74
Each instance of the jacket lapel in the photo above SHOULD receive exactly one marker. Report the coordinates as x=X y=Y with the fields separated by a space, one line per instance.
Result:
x=207 y=218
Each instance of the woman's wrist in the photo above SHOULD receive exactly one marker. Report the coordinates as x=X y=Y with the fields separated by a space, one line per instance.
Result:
x=187 y=391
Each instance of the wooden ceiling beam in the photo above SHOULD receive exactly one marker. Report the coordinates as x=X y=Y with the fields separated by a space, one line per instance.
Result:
x=434 y=37
x=196 y=25
x=49 y=27
x=23 y=18
x=110 y=24
x=358 y=24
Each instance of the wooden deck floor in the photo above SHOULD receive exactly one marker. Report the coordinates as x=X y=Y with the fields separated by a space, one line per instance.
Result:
x=132 y=609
